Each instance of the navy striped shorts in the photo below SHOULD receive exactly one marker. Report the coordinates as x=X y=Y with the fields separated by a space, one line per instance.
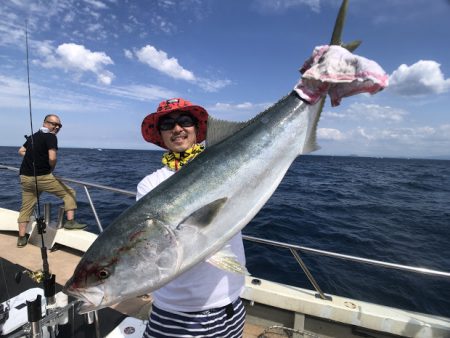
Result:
x=222 y=322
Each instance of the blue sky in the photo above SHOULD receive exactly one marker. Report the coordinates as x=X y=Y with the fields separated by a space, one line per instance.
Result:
x=103 y=65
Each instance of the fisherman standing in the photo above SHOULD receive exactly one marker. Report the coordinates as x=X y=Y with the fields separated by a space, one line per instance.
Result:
x=39 y=158
x=203 y=301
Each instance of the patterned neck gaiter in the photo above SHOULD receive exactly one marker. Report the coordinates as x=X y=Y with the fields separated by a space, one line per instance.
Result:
x=175 y=161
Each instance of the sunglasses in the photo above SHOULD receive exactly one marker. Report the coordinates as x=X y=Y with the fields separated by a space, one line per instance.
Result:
x=55 y=124
x=168 y=123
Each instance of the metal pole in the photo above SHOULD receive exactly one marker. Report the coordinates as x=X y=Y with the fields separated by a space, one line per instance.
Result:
x=349 y=257
x=93 y=208
x=309 y=275
x=59 y=222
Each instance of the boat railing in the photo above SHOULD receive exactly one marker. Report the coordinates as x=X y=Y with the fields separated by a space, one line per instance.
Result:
x=294 y=249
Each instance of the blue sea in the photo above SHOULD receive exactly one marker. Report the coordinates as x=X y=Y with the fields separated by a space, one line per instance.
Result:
x=394 y=210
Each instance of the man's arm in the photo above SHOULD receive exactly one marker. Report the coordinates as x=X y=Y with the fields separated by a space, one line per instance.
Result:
x=22 y=151
x=52 y=158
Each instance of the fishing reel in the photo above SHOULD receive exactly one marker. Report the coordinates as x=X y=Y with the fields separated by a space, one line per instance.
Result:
x=37 y=276
x=41 y=224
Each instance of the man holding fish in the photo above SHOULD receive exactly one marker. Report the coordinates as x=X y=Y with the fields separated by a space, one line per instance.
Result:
x=203 y=301
x=186 y=225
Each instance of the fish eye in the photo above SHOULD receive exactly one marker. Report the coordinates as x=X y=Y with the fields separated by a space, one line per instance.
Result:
x=103 y=273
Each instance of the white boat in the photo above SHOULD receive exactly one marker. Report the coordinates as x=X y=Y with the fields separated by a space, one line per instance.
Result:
x=273 y=309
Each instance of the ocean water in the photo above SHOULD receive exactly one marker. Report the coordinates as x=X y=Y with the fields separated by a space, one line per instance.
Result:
x=394 y=210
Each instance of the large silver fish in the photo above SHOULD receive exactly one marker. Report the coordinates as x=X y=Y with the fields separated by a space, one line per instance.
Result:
x=190 y=216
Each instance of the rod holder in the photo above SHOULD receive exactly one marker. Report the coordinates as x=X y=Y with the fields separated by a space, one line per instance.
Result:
x=59 y=223
x=34 y=310
x=47 y=213
x=89 y=317
x=49 y=289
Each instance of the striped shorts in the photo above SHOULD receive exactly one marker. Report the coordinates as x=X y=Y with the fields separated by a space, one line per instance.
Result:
x=223 y=322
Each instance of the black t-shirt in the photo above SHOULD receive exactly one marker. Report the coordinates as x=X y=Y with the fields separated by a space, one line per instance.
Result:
x=42 y=143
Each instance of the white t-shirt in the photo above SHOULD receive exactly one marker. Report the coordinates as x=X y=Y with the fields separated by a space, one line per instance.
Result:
x=204 y=286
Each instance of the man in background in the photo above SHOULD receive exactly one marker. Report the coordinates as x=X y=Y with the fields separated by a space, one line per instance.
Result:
x=39 y=160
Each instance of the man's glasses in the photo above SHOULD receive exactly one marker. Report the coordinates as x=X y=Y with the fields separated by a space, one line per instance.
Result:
x=55 y=124
x=168 y=123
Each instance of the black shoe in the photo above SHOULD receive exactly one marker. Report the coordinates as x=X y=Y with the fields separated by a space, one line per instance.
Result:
x=74 y=225
x=22 y=241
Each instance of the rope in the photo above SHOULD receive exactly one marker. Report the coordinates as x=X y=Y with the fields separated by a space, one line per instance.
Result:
x=284 y=332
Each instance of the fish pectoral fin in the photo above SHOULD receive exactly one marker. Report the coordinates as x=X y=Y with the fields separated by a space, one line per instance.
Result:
x=204 y=215
x=226 y=260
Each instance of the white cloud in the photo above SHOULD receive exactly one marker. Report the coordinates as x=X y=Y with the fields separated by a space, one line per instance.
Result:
x=94 y=28
x=406 y=135
x=14 y=95
x=128 y=54
x=248 y=106
x=69 y=17
x=159 y=60
x=163 y=25
x=137 y=92
x=330 y=134
x=270 y=6
x=105 y=77
x=43 y=48
x=74 y=19
x=422 y=78
x=374 y=112
x=368 y=112
x=11 y=33
x=333 y=114
x=237 y=111
x=97 y=4
x=77 y=58
x=419 y=141
x=212 y=85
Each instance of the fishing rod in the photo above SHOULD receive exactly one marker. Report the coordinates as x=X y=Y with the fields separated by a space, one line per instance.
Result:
x=57 y=307
x=48 y=278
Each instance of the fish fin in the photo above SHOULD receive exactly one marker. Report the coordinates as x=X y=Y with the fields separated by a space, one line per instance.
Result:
x=205 y=214
x=226 y=260
x=351 y=46
x=219 y=130
x=310 y=148
x=311 y=142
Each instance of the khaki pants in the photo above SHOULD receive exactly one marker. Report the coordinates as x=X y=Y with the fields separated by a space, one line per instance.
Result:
x=47 y=183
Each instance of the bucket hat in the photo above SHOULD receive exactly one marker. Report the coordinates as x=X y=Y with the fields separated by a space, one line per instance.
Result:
x=149 y=127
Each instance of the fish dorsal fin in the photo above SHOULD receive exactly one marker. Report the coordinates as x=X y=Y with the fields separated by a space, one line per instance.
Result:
x=226 y=260
x=204 y=215
x=219 y=130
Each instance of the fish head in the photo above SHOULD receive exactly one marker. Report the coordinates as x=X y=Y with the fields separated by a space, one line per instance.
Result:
x=119 y=266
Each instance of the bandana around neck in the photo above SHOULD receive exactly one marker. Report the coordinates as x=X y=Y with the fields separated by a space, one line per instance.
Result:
x=175 y=161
